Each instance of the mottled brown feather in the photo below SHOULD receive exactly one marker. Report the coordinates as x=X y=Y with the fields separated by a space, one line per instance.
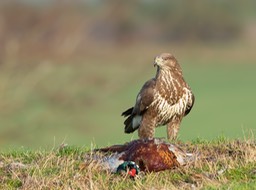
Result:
x=145 y=97
x=143 y=100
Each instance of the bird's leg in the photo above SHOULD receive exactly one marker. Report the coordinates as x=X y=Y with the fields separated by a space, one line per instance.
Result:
x=173 y=128
x=146 y=132
x=147 y=127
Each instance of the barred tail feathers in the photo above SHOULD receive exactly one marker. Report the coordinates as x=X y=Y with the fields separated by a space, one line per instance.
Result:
x=132 y=123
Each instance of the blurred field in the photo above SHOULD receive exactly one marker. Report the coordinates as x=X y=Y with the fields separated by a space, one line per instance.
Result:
x=81 y=102
x=58 y=84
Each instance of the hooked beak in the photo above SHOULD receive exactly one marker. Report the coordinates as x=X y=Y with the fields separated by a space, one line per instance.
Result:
x=156 y=61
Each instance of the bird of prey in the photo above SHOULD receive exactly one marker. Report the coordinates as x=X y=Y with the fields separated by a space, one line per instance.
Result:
x=163 y=100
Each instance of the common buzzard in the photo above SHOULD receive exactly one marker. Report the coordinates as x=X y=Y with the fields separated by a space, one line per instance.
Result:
x=163 y=100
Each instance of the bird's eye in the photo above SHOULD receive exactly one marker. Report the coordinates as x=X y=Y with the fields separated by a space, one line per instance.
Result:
x=167 y=58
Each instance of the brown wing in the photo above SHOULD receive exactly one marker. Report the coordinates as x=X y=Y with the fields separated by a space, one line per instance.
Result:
x=190 y=105
x=145 y=97
x=143 y=100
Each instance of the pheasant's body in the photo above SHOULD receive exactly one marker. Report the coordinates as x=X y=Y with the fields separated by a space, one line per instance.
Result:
x=149 y=155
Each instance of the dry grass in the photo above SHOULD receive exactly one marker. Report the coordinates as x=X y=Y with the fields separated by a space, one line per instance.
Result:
x=221 y=164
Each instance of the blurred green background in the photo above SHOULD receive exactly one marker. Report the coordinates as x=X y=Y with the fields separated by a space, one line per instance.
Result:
x=69 y=68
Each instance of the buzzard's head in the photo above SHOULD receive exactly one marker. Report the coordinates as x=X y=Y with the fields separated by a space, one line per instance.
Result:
x=166 y=61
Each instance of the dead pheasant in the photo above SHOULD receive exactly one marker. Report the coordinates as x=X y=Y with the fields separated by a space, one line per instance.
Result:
x=150 y=155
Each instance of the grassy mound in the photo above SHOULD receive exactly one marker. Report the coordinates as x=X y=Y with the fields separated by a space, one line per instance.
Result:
x=221 y=163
